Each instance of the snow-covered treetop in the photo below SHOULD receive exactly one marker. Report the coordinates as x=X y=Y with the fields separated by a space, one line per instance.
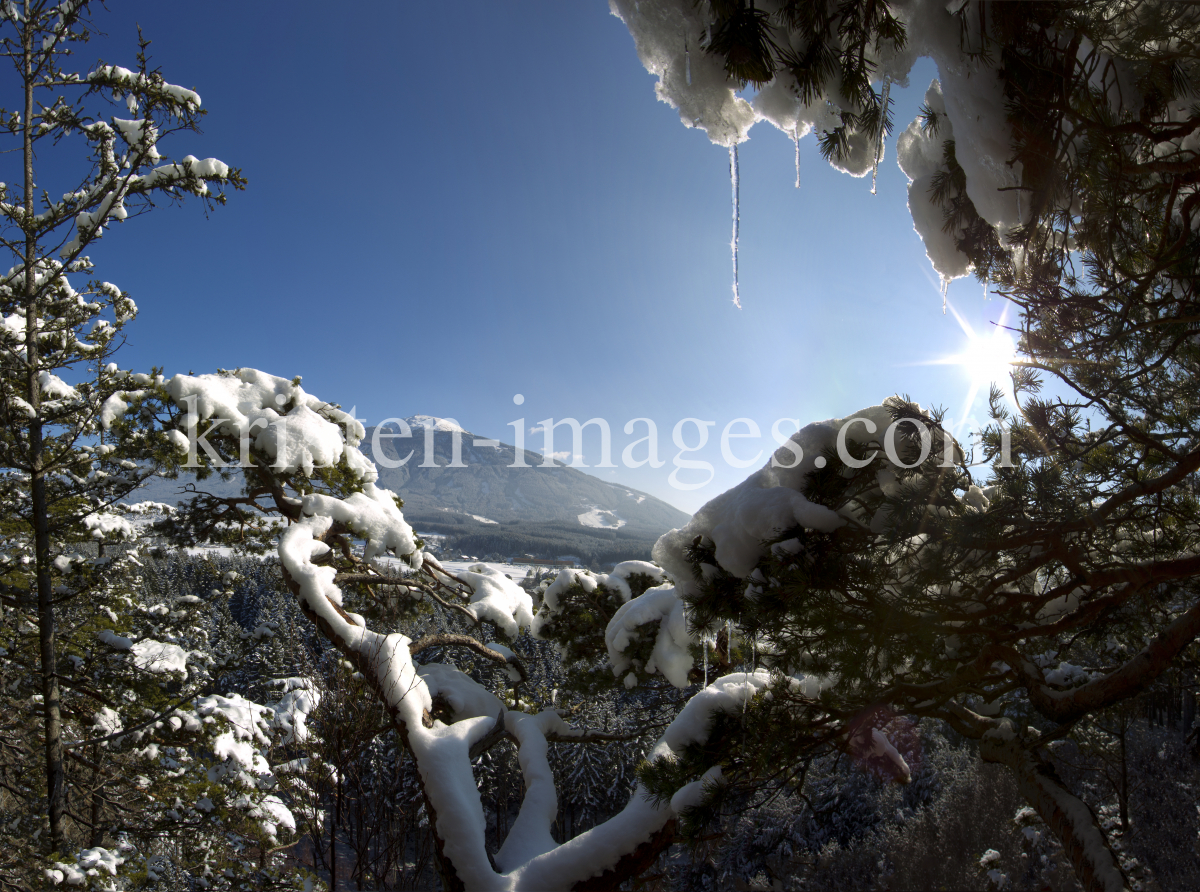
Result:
x=123 y=114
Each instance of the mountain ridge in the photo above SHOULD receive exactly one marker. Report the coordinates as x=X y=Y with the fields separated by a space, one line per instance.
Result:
x=489 y=488
x=485 y=506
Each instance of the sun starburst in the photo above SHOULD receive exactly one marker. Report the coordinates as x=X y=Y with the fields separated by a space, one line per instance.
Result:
x=986 y=359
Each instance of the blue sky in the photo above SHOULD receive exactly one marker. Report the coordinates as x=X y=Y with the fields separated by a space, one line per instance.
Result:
x=450 y=204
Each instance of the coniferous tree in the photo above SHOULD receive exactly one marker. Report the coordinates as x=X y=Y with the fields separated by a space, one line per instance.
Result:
x=58 y=388
x=1030 y=610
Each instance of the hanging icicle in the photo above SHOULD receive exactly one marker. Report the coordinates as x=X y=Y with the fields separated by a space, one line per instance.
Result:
x=796 y=143
x=883 y=104
x=986 y=283
x=945 y=289
x=733 y=175
x=687 y=62
x=704 y=644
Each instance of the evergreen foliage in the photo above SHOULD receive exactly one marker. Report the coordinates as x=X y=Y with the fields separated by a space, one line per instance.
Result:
x=1036 y=608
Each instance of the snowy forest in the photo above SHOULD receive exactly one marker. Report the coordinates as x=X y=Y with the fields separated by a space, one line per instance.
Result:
x=885 y=660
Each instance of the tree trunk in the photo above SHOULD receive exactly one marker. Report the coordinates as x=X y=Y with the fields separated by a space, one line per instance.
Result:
x=97 y=834
x=333 y=826
x=1067 y=815
x=51 y=704
x=1124 y=792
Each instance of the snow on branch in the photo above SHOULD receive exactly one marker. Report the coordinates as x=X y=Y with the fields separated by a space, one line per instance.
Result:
x=442 y=715
x=820 y=83
x=150 y=85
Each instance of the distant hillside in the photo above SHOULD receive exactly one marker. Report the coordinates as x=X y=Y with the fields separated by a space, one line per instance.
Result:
x=488 y=509
x=489 y=490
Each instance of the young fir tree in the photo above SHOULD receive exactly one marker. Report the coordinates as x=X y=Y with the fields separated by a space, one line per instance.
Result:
x=58 y=388
x=170 y=772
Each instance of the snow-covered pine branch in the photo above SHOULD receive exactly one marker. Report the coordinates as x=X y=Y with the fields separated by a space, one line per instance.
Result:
x=128 y=170
x=293 y=446
x=976 y=193
x=1055 y=158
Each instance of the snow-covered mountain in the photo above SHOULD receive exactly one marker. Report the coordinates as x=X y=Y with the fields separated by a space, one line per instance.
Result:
x=488 y=490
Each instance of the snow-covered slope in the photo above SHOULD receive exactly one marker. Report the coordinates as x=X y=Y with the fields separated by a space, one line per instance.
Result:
x=488 y=488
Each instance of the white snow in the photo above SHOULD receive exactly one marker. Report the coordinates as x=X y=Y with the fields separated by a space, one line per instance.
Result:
x=99 y=858
x=670 y=654
x=107 y=721
x=497 y=598
x=620 y=574
x=159 y=657
x=770 y=501
x=879 y=746
x=516 y=571
x=431 y=421
x=115 y=75
x=109 y=526
x=563 y=581
x=272 y=814
x=113 y=640
x=617 y=580
x=88 y=863
x=301 y=697
x=248 y=725
x=601 y=519
x=55 y=387
x=251 y=404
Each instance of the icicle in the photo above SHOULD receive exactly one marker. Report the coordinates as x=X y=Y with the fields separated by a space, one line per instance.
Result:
x=883 y=103
x=704 y=644
x=687 y=62
x=986 y=282
x=796 y=143
x=945 y=288
x=733 y=175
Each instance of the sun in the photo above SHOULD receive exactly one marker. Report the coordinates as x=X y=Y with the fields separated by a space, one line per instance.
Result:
x=988 y=359
x=985 y=359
